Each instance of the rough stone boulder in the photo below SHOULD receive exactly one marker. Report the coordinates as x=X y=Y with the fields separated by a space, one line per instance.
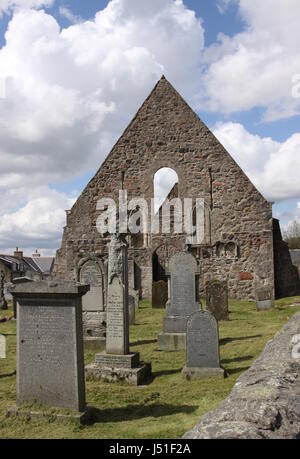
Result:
x=265 y=401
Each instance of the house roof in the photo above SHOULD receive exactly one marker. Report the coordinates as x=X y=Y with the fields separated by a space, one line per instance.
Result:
x=42 y=265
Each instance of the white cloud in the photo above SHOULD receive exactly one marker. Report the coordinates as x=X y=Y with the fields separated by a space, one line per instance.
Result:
x=255 y=68
x=38 y=223
x=8 y=5
x=70 y=92
x=67 y=14
x=273 y=167
x=164 y=180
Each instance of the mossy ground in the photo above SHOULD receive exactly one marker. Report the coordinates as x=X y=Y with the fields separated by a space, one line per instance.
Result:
x=165 y=407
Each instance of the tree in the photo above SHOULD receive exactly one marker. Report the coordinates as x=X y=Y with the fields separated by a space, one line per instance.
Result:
x=292 y=235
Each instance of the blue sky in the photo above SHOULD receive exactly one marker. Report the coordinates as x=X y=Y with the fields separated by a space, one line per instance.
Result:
x=65 y=100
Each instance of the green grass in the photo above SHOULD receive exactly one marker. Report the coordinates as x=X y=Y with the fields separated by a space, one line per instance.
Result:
x=166 y=407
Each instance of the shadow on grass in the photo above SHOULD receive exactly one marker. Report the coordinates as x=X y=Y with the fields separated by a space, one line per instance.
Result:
x=233 y=371
x=157 y=374
x=146 y=341
x=237 y=359
x=8 y=374
x=134 y=412
x=240 y=338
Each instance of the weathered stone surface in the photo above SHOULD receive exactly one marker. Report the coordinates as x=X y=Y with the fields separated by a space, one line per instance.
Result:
x=182 y=272
x=91 y=275
x=264 y=403
x=131 y=310
x=117 y=363
x=50 y=361
x=217 y=299
x=136 y=296
x=264 y=298
x=167 y=133
x=159 y=294
x=117 y=339
x=2 y=347
x=3 y=302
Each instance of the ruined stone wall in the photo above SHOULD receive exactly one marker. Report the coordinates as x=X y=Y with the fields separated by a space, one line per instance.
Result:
x=264 y=403
x=167 y=133
x=287 y=280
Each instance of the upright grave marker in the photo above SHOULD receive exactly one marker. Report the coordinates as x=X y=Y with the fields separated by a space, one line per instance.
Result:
x=264 y=298
x=2 y=347
x=50 y=361
x=217 y=299
x=159 y=294
x=183 y=273
x=203 y=359
x=117 y=363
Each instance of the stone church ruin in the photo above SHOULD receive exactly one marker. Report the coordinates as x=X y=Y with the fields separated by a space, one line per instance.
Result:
x=239 y=246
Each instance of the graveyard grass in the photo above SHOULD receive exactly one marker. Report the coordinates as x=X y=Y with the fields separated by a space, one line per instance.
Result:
x=167 y=406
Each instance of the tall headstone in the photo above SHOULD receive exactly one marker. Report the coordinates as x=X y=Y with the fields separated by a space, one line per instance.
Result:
x=136 y=297
x=183 y=272
x=159 y=294
x=203 y=359
x=264 y=298
x=2 y=347
x=117 y=363
x=91 y=272
x=3 y=302
x=217 y=299
x=50 y=360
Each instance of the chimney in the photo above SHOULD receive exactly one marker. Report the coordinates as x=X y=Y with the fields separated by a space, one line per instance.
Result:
x=36 y=254
x=18 y=253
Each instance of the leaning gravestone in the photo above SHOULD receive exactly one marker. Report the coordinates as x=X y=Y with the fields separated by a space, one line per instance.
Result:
x=264 y=298
x=50 y=361
x=183 y=274
x=2 y=347
x=203 y=358
x=217 y=299
x=117 y=363
x=159 y=294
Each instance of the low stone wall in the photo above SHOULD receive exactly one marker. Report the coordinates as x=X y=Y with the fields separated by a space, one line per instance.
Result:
x=265 y=401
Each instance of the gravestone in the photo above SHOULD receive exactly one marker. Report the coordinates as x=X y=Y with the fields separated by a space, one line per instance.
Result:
x=2 y=347
x=16 y=281
x=3 y=302
x=217 y=299
x=264 y=298
x=159 y=294
x=136 y=296
x=131 y=306
x=50 y=360
x=203 y=359
x=183 y=272
x=93 y=303
x=117 y=363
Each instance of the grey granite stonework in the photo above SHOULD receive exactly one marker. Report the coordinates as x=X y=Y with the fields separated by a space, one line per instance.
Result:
x=265 y=401
x=183 y=273
x=202 y=347
x=166 y=132
x=50 y=360
x=117 y=363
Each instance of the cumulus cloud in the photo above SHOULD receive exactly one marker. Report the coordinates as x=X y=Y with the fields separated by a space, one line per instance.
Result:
x=164 y=180
x=9 y=5
x=255 y=68
x=273 y=167
x=67 y=94
x=38 y=223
